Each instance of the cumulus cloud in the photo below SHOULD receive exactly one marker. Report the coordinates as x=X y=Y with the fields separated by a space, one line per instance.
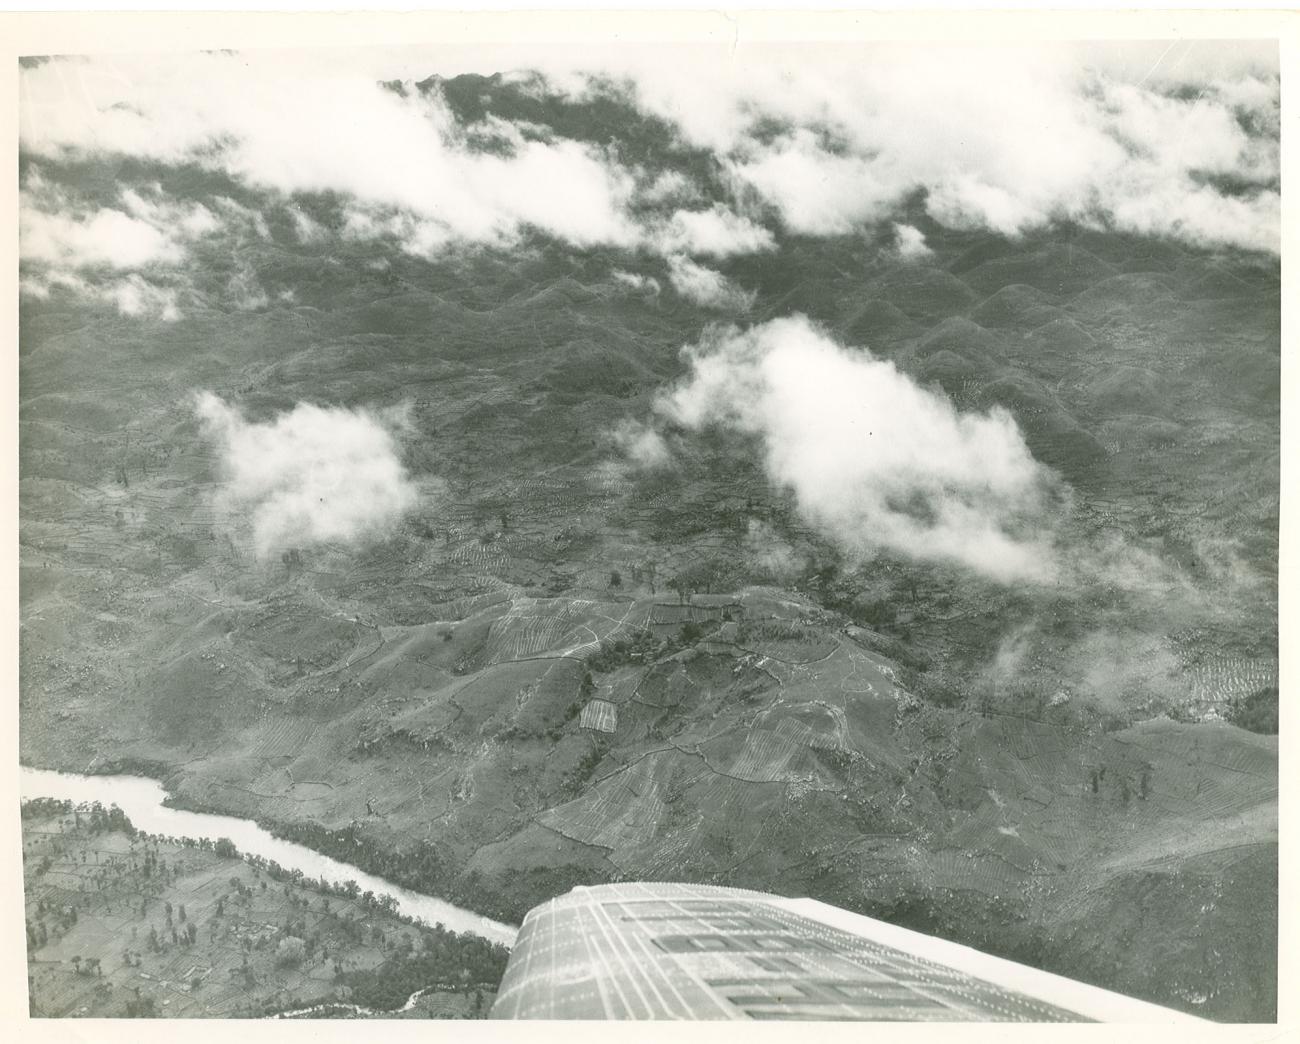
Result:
x=313 y=475
x=642 y=445
x=103 y=237
x=278 y=124
x=132 y=295
x=1171 y=141
x=874 y=460
x=637 y=281
x=144 y=227
x=1006 y=138
x=68 y=244
x=707 y=286
x=670 y=186
x=410 y=169
x=909 y=243
x=305 y=228
x=53 y=230
x=243 y=219
x=817 y=193
x=718 y=232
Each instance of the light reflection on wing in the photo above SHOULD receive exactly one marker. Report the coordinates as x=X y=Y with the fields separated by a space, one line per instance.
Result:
x=671 y=951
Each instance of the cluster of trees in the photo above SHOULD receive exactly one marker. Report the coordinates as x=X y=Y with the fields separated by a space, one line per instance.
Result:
x=422 y=867
x=141 y=1007
x=577 y=777
x=92 y=814
x=64 y=919
x=1256 y=712
x=37 y=934
x=711 y=575
x=44 y=808
x=452 y=960
x=640 y=646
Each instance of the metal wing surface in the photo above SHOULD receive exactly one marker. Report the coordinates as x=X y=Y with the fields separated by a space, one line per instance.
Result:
x=675 y=951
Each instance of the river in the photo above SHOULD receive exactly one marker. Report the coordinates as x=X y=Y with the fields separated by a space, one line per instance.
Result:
x=142 y=801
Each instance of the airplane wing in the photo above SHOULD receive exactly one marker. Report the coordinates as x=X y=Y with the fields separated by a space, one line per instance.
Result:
x=678 y=951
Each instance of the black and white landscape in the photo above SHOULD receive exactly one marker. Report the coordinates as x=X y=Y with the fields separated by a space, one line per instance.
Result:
x=846 y=471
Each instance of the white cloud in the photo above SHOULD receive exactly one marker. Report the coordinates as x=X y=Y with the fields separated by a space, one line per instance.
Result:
x=637 y=281
x=670 y=186
x=303 y=126
x=313 y=475
x=1007 y=138
x=874 y=460
x=245 y=291
x=62 y=242
x=305 y=228
x=241 y=217
x=188 y=219
x=132 y=295
x=909 y=243
x=104 y=236
x=770 y=552
x=718 y=232
x=136 y=297
x=831 y=138
x=642 y=445
x=818 y=193
x=706 y=286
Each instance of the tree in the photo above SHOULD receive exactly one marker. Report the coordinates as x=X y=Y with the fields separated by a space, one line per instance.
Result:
x=290 y=952
x=1257 y=712
x=615 y=579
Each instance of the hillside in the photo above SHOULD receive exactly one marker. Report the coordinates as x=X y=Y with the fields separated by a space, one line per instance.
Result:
x=595 y=639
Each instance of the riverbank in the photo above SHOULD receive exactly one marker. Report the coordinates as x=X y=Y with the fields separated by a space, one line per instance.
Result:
x=120 y=923
x=145 y=802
